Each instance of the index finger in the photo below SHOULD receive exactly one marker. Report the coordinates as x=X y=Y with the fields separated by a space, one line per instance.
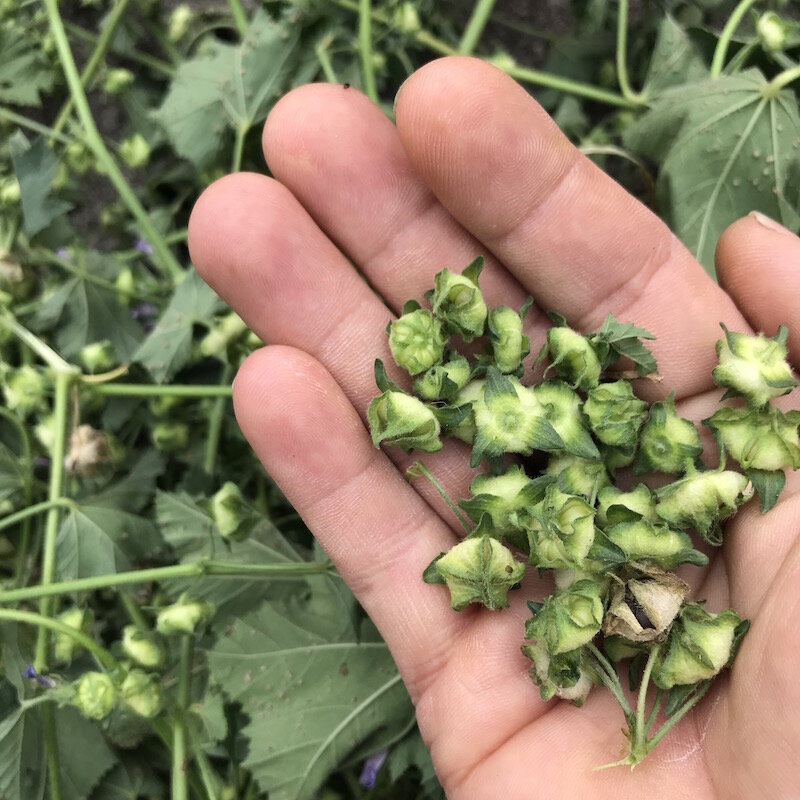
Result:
x=572 y=236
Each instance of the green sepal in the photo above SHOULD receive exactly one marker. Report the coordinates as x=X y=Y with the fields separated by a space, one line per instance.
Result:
x=474 y=268
x=616 y=340
x=444 y=381
x=480 y=570
x=450 y=417
x=666 y=441
x=642 y=541
x=408 y=307
x=754 y=367
x=617 y=648
x=567 y=675
x=397 y=418
x=431 y=573
x=604 y=555
x=614 y=505
x=573 y=357
x=582 y=476
x=382 y=379
x=769 y=485
x=563 y=409
x=509 y=344
x=615 y=414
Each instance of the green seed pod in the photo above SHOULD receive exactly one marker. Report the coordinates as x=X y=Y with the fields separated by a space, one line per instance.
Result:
x=406 y=18
x=616 y=457
x=509 y=419
x=45 y=431
x=141 y=693
x=567 y=675
x=754 y=366
x=614 y=505
x=568 y=620
x=95 y=695
x=573 y=357
x=65 y=647
x=615 y=413
x=644 y=603
x=699 y=646
x=764 y=439
x=702 y=500
x=560 y=531
x=116 y=80
x=505 y=498
x=134 y=151
x=773 y=32
x=97 y=356
x=142 y=646
x=222 y=334
x=575 y=475
x=232 y=514
x=458 y=303
x=78 y=156
x=24 y=389
x=640 y=540
x=169 y=436
x=416 y=340
x=509 y=343
x=666 y=442
x=563 y=409
x=444 y=381
x=402 y=420
x=468 y=396
x=179 y=21
x=479 y=570
x=184 y=616
x=617 y=648
x=9 y=191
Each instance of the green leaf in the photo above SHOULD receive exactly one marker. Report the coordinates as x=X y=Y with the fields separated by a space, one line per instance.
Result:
x=615 y=340
x=83 y=755
x=412 y=752
x=135 y=489
x=95 y=540
x=312 y=701
x=36 y=167
x=132 y=777
x=25 y=73
x=724 y=149
x=227 y=85
x=769 y=485
x=168 y=347
x=190 y=531
x=676 y=59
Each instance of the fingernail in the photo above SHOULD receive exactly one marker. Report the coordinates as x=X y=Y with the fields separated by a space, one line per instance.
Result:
x=768 y=222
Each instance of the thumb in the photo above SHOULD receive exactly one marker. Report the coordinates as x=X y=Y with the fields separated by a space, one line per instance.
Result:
x=758 y=264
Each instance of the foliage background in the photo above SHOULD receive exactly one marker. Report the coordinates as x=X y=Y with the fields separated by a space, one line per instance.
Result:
x=689 y=103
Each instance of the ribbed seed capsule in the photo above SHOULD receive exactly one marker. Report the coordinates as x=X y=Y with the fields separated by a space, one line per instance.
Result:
x=615 y=413
x=509 y=344
x=142 y=694
x=614 y=505
x=444 y=381
x=563 y=408
x=654 y=544
x=457 y=301
x=399 y=419
x=573 y=358
x=666 y=442
x=95 y=695
x=416 y=340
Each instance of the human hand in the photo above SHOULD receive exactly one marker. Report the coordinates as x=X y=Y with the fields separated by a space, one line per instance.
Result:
x=475 y=166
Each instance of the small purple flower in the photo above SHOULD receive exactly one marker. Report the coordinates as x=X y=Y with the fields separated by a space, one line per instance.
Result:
x=143 y=246
x=41 y=462
x=144 y=311
x=42 y=680
x=63 y=254
x=369 y=774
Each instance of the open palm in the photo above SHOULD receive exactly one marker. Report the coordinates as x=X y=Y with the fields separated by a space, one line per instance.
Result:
x=475 y=166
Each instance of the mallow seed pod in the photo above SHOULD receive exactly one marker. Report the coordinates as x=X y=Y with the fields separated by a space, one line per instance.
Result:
x=458 y=303
x=185 y=616
x=65 y=647
x=416 y=340
x=397 y=418
x=142 y=646
x=566 y=676
x=666 y=442
x=95 y=695
x=573 y=357
x=443 y=381
x=509 y=344
x=142 y=694
x=615 y=413
x=563 y=408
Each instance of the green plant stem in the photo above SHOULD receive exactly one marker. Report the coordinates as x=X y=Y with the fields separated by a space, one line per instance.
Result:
x=174 y=390
x=239 y=17
x=24 y=440
x=207 y=775
x=180 y=789
x=639 y=734
x=103 y=658
x=321 y=51
x=678 y=715
x=622 y=56
x=40 y=348
x=739 y=60
x=175 y=237
x=133 y=611
x=721 y=50
x=524 y=74
x=611 y=680
x=781 y=80
x=164 y=256
x=33 y=125
x=653 y=711
x=51 y=752
x=419 y=467
x=215 y=424
x=32 y=511
x=238 y=146
x=145 y=59
x=63 y=381
x=481 y=12
x=100 y=49
x=196 y=569
x=365 y=49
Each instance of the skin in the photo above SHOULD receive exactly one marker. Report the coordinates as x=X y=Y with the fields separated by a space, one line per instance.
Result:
x=474 y=165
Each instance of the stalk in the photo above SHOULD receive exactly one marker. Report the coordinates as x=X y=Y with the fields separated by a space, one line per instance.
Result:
x=100 y=49
x=418 y=468
x=477 y=22
x=215 y=424
x=197 y=569
x=721 y=50
x=239 y=17
x=32 y=511
x=180 y=788
x=164 y=256
x=780 y=81
x=33 y=125
x=365 y=49
x=639 y=734
x=622 y=56
x=174 y=390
